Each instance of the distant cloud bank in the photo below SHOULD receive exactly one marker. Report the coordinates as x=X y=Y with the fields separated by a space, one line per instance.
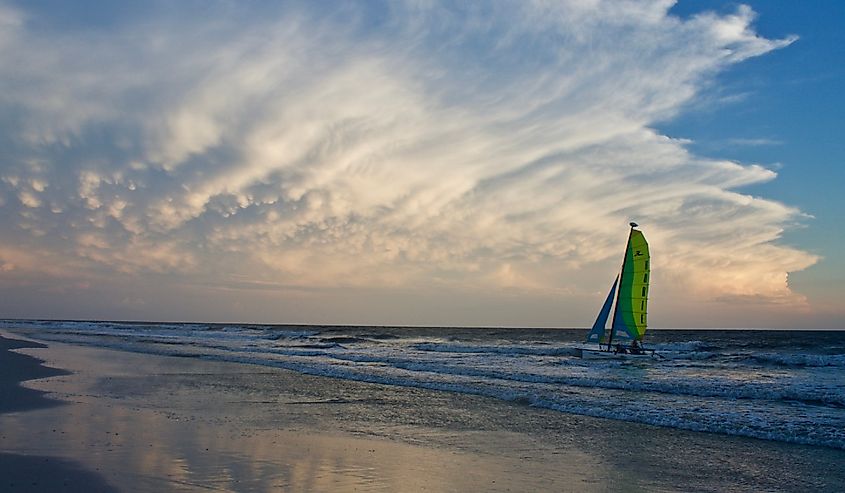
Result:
x=458 y=147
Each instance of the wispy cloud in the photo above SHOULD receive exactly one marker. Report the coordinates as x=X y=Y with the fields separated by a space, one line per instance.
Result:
x=754 y=142
x=489 y=146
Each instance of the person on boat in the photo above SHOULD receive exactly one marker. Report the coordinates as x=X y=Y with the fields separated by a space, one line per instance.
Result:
x=636 y=348
x=620 y=349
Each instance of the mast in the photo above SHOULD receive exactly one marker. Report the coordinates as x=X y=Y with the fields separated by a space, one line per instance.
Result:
x=619 y=288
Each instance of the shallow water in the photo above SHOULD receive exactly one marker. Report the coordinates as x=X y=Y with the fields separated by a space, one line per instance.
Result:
x=187 y=424
x=784 y=386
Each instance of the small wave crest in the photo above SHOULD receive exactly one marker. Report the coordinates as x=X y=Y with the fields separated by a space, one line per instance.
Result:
x=510 y=349
x=275 y=335
x=344 y=340
x=801 y=359
x=687 y=346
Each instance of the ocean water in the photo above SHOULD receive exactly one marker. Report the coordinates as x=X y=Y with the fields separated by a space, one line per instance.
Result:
x=785 y=386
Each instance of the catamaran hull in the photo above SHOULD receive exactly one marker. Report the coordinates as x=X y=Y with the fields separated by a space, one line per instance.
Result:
x=604 y=354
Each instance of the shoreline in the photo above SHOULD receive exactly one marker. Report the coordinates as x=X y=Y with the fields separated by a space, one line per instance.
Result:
x=22 y=472
x=16 y=368
x=289 y=430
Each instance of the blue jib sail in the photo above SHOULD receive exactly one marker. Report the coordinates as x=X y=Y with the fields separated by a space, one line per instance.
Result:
x=597 y=333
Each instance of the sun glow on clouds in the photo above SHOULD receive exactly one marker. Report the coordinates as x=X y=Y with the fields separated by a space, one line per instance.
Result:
x=485 y=147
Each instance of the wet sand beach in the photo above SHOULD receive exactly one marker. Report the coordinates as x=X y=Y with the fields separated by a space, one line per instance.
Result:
x=16 y=368
x=139 y=422
x=34 y=472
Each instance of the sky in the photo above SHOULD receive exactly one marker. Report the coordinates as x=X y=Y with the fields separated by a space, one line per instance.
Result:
x=421 y=162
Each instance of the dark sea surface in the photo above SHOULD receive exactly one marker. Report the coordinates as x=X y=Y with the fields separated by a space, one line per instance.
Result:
x=784 y=386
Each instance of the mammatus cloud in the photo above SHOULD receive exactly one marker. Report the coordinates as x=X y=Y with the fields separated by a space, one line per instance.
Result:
x=488 y=146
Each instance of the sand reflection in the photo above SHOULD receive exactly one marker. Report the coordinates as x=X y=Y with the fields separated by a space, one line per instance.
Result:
x=144 y=450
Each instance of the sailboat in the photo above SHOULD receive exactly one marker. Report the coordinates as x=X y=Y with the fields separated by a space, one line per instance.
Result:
x=630 y=293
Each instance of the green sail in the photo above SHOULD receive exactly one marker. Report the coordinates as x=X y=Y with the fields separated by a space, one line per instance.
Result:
x=631 y=317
